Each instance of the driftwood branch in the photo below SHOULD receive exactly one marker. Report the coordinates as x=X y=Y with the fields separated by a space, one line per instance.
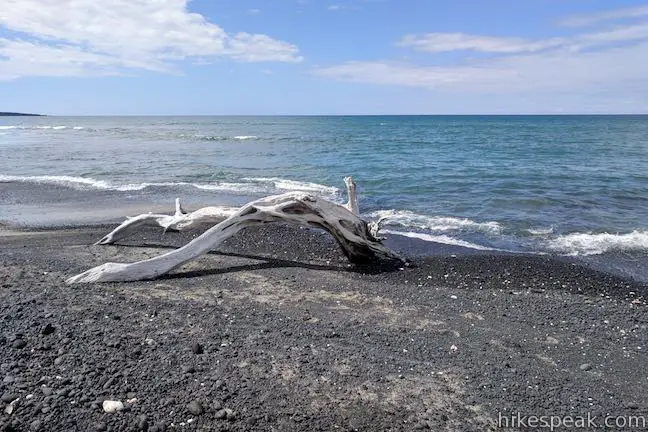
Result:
x=357 y=239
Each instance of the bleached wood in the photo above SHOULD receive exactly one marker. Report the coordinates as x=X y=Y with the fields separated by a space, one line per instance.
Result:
x=352 y=234
x=352 y=203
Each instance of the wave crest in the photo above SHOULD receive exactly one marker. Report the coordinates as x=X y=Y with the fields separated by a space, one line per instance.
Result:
x=410 y=219
x=595 y=244
x=247 y=186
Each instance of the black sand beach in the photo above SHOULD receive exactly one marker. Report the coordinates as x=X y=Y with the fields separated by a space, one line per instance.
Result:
x=275 y=331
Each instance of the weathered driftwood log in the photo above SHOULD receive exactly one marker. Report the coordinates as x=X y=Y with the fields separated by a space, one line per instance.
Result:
x=356 y=238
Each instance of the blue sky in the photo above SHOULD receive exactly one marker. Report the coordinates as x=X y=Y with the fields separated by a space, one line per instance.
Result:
x=173 y=57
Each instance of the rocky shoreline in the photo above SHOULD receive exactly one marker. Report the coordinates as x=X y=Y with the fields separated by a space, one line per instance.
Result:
x=276 y=331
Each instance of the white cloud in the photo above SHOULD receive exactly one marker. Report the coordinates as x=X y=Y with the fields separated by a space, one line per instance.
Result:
x=447 y=42
x=254 y=11
x=334 y=7
x=105 y=37
x=619 y=67
x=444 y=42
x=611 y=15
x=603 y=64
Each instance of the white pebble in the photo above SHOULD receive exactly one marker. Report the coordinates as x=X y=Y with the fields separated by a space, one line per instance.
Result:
x=112 y=406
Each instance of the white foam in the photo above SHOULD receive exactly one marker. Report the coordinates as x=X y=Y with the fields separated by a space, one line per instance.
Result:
x=245 y=137
x=8 y=127
x=78 y=127
x=293 y=185
x=595 y=244
x=540 y=231
x=410 y=219
x=231 y=187
x=77 y=182
x=443 y=239
x=249 y=186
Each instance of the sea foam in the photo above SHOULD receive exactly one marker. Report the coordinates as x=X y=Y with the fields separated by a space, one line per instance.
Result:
x=443 y=239
x=595 y=244
x=247 y=186
x=293 y=185
x=437 y=224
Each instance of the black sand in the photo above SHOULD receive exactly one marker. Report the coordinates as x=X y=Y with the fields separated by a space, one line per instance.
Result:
x=278 y=332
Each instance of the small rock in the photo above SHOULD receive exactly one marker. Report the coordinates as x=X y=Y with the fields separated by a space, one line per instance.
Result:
x=585 y=367
x=59 y=360
x=107 y=384
x=142 y=422
x=112 y=406
x=196 y=348
x=9 y=397
x=632 y=405
x=101 y=426
x=19 y=343
x=131 y=395
x=195 y=408
x=189 y=369
x=160 y=427
x=47 y=391
x=11 y=407
x=221 y=414
x=35 y=425
x=231 y=415
x=48 y=329
x=217 y=405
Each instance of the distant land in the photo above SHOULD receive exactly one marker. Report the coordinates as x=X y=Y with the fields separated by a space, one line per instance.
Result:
x=13 y=114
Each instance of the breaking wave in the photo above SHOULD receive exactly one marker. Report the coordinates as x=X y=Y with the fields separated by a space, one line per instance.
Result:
x=595 y=244
x=49 y=127
x=293 y=185
x=437 y=224
x=247 y=186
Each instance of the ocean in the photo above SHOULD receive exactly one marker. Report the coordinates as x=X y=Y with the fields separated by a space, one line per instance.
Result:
x=569 y=186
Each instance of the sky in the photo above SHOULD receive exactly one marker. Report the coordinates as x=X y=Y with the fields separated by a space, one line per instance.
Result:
x=305 y=57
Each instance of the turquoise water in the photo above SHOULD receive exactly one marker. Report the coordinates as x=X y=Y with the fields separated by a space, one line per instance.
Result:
x=572 y=185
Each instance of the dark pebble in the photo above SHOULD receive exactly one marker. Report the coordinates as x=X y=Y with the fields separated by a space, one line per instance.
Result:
x=160 y=427
x=48 y=329
x=8 y=397
x=195 y=408
x=196 y=348
x=142 y=422
x=189 y=369
x=20 y=343
x=101 y=426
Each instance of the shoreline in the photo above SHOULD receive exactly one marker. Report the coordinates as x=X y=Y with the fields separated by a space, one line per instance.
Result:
x=294 y=338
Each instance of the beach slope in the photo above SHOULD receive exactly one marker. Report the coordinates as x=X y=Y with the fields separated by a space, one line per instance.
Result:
x=276 y=331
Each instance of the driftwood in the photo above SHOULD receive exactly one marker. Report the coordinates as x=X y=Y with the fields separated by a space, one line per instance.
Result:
x=357 y=238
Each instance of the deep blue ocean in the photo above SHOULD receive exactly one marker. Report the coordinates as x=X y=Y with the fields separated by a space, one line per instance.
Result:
x=562 y=185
